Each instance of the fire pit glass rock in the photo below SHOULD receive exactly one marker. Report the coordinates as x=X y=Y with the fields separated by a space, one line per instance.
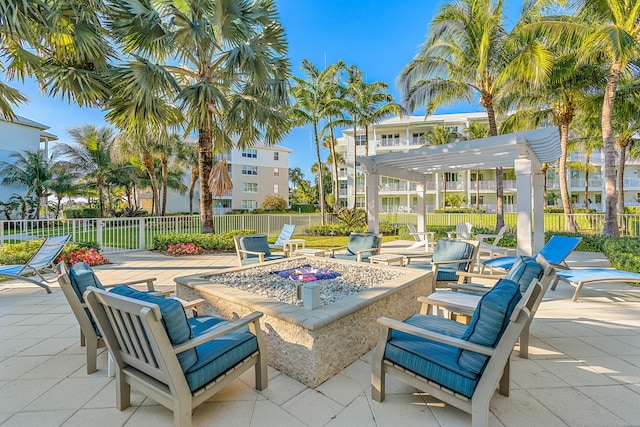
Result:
x=306 y=273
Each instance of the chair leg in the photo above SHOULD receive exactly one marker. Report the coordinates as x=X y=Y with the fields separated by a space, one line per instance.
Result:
x=261 y=373
x=377 y=366
x=524 y=341
x=182 y=414
x=92 y=354
x=82 y=339
x=123 y=391
x=504 y=385
x=480 y=412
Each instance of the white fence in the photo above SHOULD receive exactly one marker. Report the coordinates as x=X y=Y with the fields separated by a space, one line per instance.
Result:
x=132 y=234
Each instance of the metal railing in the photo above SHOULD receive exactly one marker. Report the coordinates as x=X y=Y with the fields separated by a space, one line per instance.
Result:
x=133 y=234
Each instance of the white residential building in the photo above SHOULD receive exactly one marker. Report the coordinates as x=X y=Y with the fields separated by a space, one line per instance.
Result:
x=18 y=136
x=408 y=133
x=256 y=172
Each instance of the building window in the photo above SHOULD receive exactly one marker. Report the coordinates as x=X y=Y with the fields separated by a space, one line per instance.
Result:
x=509 y=199
x=451 y=176
x=480 y=199
x=453 y=129
x=361 y=140
x=249 y=170
x=250 y=187
x=276 y=188
x=276 y=171
x=418 y=138
x=599 y=197
x=479 y=175
x=276 y=155
x=250 y=204
x=229 y=168
x=390 y=139
x=250 y=153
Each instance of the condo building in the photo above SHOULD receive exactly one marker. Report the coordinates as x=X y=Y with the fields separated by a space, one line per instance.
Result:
x=477 y=188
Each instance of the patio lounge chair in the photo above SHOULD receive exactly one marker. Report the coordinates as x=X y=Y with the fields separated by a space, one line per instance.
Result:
x=423 y=238
x=585 y=276
x=458 y=364
x=449 y=257
x=43 y=259
x=178 y=362
x=285 y=234
x=524 y=271
x=254 y=249
x=463 y=231
x=73 y=284
x=554 y=252
x=359 y=248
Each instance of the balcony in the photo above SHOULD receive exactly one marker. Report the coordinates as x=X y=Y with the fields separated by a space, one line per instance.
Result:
x=579 y=183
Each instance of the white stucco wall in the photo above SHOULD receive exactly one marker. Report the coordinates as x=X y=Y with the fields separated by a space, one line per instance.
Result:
x=15 y=137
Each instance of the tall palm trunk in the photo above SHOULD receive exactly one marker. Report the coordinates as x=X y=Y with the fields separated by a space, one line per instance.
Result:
x=610 y=218
x=623 y=159
x=562 y=167
x=487 y=101
x=355 y=167
x=205 y=163
x=192 y=187
x=164 y=161
x=477 y=190
x=100 y=184
x=320 y=180
x=444 y=190
x=586 y=180
x=147 y=162
x=335 y=186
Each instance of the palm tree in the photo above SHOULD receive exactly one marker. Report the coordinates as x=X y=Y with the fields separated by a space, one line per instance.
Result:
x=234 y=79
x=439 y=135
x=62 y=182
x=188 y=156
x=468 y=52
x=471 y=132
x=588 y=138
x=309 y=108
x=557 y=102
x=296 y=176
x=90 y=155
x=29 y=169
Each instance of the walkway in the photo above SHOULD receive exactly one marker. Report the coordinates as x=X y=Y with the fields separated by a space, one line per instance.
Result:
x=584 y=368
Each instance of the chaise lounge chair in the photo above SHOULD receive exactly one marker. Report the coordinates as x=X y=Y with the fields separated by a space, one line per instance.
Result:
x=43 y=259
x=458 y=364
x=554 y=252
x=281 y=242
x=585 y=276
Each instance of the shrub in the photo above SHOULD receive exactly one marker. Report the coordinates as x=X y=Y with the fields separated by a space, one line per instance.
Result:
x=88 y=255
x=589 y=242
x=183 y=249
x=303 y=208
x=274 y=202
x=623 y=253
x=458 y=210
x=635 y=210
x=18 y=253
x=336 y=229
x=90 y=213
x=352 y=218
x=559 y=209
x=204 y=241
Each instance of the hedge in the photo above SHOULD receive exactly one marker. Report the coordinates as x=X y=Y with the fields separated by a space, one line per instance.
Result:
x=205 y=241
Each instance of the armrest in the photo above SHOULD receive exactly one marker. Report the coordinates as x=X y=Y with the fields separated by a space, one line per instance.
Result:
x=481 y=237
x=333 y=250
x=149 y=281
x=447 y=305
x=259 y=254
x=470 y=287
x=462 y=275
x=434 y=336
x=195 y=305
x=360 y=253
x=217 y=331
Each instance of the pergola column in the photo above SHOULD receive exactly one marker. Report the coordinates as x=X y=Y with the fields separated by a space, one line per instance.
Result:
x=422 y=205
x=538 y=211
x=372 y=181
x=523 y=171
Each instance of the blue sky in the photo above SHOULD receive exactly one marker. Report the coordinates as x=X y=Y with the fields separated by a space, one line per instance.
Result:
x=379 y=36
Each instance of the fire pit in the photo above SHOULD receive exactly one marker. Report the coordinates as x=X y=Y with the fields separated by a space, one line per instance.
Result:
x=306 y=273
x=312 y=345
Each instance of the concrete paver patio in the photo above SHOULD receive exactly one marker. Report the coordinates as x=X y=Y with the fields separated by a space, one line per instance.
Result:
x=584 y=367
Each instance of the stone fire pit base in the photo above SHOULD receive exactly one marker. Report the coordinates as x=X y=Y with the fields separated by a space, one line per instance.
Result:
x=314 y=345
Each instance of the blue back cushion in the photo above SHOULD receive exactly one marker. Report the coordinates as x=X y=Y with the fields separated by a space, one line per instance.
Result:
x=361 y=241
x=558 y=248
x=523 y=271
x=81 y=277
x=257 y=243
x=489 y=322
x=174 y=321
x=285 y=234
x=449 y=250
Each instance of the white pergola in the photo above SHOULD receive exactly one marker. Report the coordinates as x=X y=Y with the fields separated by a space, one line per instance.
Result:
x=525 y=151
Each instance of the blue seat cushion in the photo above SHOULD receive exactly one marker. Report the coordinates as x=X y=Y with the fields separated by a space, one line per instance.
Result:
x=444 y=272
x=449 y=250
x=489 y=321
x=258 y=243
x=174 y=321
x=524 y=271
x=504 y=262
x=361 y=241
x=81 y=276
x=430 y=359
x=218 y=356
